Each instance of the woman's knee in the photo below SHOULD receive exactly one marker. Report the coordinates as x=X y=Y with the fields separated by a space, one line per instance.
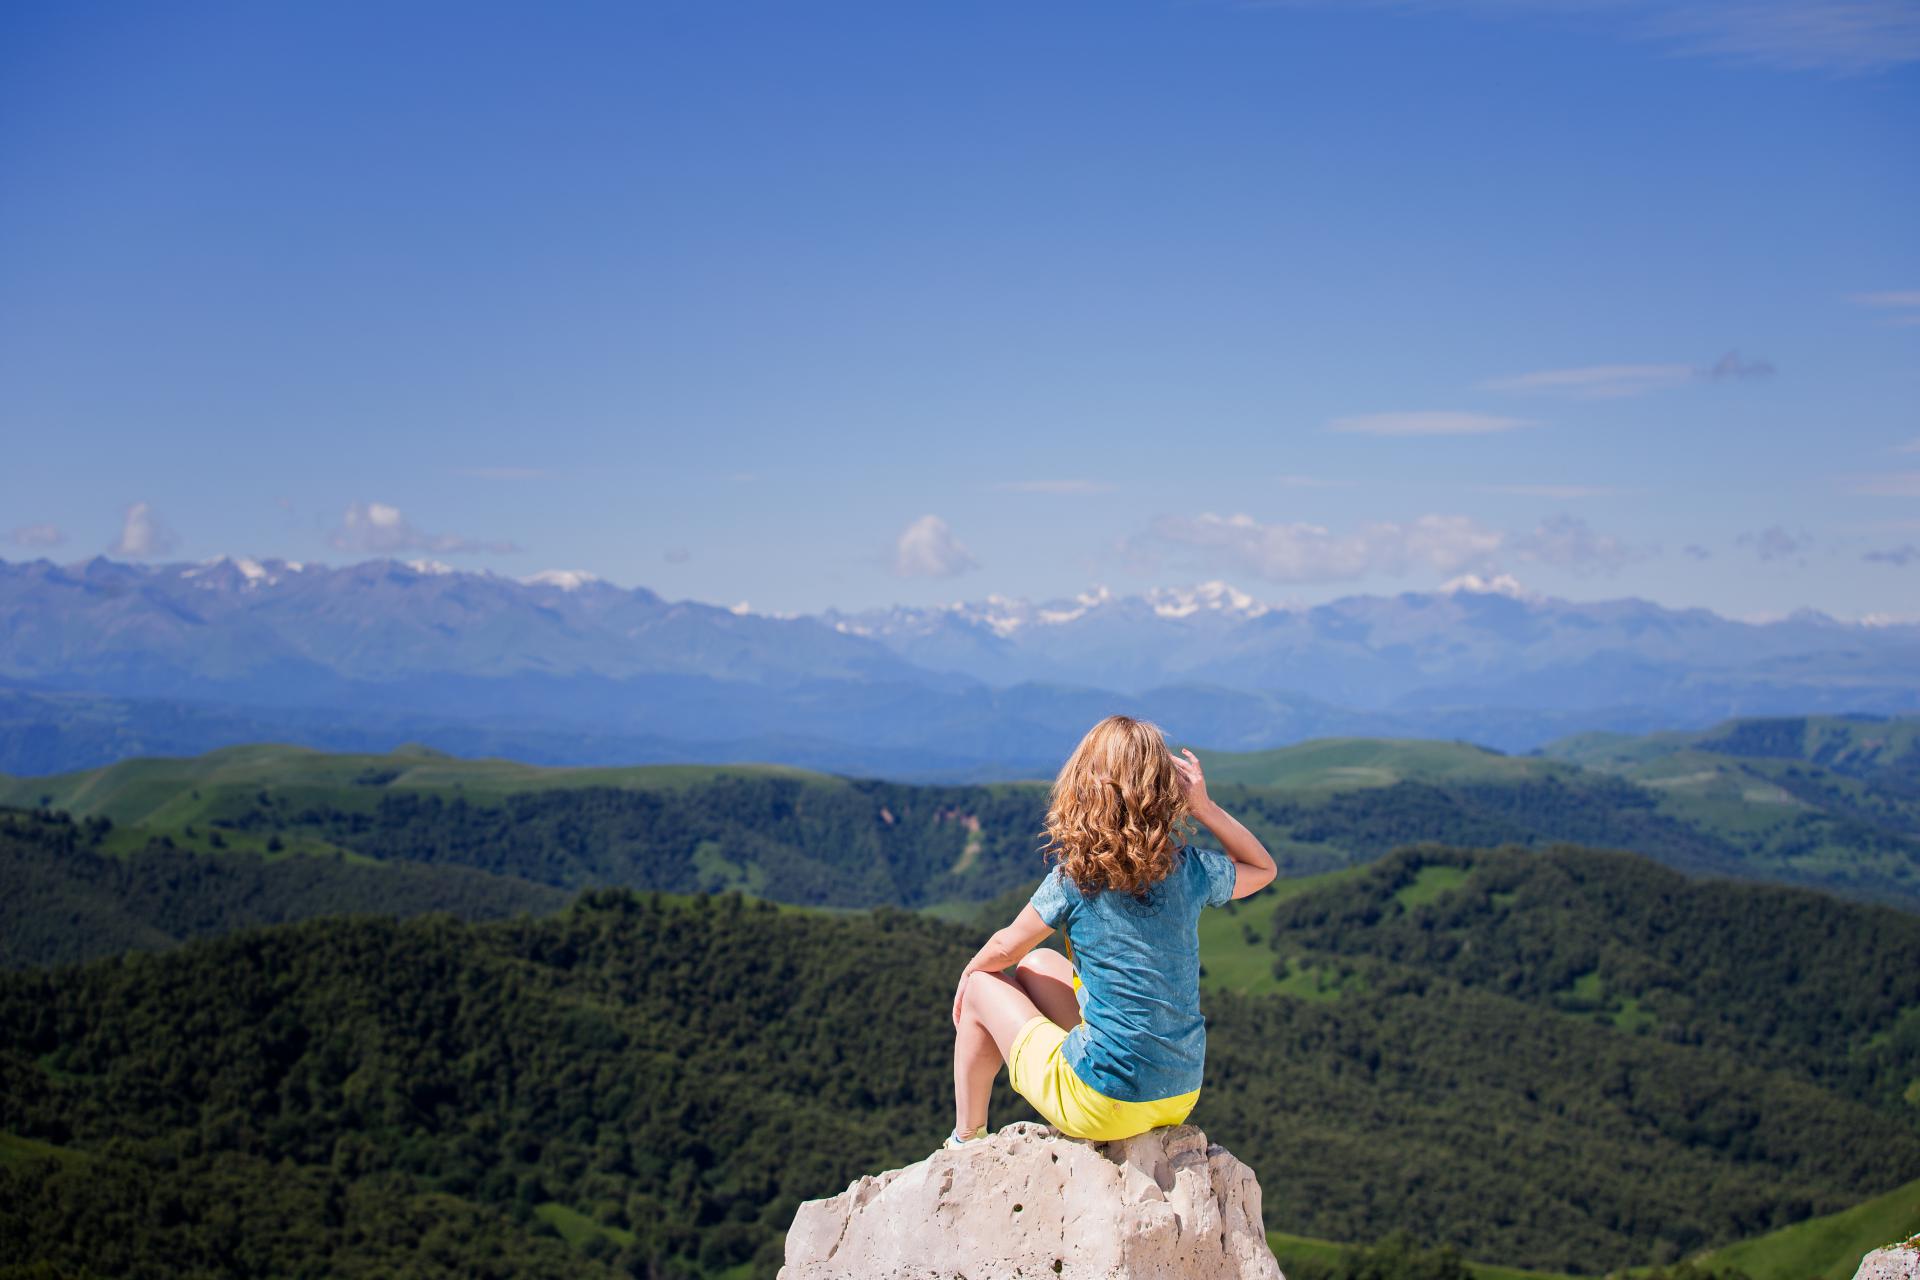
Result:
x=1043 y=963
x=978 y=990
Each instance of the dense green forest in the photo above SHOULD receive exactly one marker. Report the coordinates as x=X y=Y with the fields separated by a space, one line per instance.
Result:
x=649 y=1084
x=65 y=900
x=1806 y=983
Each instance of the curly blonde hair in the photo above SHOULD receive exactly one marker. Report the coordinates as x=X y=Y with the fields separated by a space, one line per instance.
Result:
x=1117 y=809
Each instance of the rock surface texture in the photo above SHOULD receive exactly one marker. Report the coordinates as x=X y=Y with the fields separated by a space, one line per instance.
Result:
x=1027 y=1202
x=1895 y=1262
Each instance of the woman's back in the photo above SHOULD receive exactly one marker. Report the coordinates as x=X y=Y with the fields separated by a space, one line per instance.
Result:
x=1141 y=1035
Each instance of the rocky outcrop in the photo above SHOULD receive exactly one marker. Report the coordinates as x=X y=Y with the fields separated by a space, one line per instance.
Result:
x=1027 y=1202
x=1895 y=1262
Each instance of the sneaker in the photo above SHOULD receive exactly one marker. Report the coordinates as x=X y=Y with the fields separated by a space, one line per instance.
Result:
x=955 y=1140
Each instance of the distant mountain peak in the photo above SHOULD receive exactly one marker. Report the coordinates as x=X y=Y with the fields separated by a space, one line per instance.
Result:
x=565 y=579
x=243 y=572
x=1502 y=584
x=1215 y=597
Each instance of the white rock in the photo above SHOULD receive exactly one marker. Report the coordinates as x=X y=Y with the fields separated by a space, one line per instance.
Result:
x=1895 y=1262
x=1028 y=1202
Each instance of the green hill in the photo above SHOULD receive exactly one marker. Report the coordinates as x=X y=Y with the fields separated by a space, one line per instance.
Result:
x=1849 y=825
x=1338 y=763
x=654 y=1083
x=169 y=792
x=1856 y=745
x=1830 y=800
x=1828 y=1247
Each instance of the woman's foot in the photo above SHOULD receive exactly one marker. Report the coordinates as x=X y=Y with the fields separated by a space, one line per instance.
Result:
x=959 y=1139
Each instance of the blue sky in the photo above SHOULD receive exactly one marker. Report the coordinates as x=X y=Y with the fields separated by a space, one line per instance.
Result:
x=847 y=304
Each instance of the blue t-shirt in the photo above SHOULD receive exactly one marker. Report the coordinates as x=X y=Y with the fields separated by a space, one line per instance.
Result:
x=1140 y=1037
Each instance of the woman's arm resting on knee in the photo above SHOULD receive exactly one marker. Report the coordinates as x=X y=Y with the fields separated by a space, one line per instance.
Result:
x=1003 y=950
x=1254 y=868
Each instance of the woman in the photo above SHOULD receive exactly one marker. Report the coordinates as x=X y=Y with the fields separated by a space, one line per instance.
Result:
x=1107 y=1041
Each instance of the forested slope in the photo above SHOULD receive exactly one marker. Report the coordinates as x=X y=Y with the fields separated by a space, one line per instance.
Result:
x=666 y=1078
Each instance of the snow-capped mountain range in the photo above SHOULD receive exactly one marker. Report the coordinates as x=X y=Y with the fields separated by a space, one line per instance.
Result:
x=989 y=684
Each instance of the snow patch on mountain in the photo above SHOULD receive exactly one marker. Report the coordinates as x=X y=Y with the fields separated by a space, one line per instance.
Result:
x=565 y=579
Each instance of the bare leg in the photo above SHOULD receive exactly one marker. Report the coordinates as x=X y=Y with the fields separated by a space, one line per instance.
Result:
x=1047 y=978
x=992 y=1011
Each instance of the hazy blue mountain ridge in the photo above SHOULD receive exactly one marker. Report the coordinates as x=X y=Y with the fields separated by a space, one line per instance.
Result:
x=562 y=668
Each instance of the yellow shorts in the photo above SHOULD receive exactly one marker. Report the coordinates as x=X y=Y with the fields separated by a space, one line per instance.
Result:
x=1040 y=1074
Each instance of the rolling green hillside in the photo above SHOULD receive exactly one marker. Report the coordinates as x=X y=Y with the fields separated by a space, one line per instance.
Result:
x=170 y=792
x=1828 y=1247
x=649 y=1082
x=1336 y=763
x=1860 y=746
x=820 y=840
x=1832 y=800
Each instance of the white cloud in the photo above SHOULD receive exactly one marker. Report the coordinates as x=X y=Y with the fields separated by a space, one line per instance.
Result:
x=380 y=529
x=1427 y=423
x=1298 y=552
x=37 y=535
x=142 y=534
x=927 y=549
x=1054 y=486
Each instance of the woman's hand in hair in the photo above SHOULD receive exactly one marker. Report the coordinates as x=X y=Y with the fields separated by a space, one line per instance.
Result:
x=1193 y=781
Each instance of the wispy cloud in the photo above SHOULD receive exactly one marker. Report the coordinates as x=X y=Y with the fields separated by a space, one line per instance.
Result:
x=1558 y=491
x=927 y=549
x=1568 y=542
x=1775 y=542
x=37 y=535
x=1849 y=37
x=1731 y=366
x=1901 y=556
x=500 y=473
x=677 y=555
x=1892 y=484
x=1054 y=486
x=1911 y=446
x=1697 y=551
x=1901 y=306
x=143 y=534
x=1596 y=381
x=1845 y=37
x=1299 y=552
x=1618 y=381
x=1427 y=423
x=375 y=528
